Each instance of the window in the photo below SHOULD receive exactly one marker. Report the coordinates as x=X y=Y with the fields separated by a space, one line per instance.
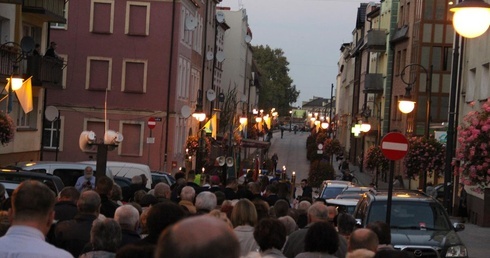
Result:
x=99 y=73
x=102 y=16
x=56 y=25
x=184 y=78
x=133 y=132
x=29 y=120
x=485 y=83
x=134 y=75
x=137 y=19
x=52 y=134
x=470 y=86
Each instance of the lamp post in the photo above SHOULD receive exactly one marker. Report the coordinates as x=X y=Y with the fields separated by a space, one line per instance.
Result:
x=200 y=116
x=408 y=105
x=479 y=8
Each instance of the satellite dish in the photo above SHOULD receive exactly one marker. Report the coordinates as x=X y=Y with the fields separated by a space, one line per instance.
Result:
x=221 y=160
x=220 y=16
x=87 y=138
x=211 y=94
x=51 y=113
x=248 y=38
x=209 y=56
x=27 y=44
x=190 y=23
x=229 y=162
x=185 y=111
x=220 y=56
x=112 y=137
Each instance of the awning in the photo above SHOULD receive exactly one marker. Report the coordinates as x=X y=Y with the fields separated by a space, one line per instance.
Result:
x=247 y=143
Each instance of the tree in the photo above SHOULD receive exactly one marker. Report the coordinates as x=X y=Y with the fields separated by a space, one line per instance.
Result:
x=277 y=88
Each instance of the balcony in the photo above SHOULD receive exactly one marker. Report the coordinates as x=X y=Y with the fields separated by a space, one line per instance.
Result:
x=376 y=40
x=46 y=10
x=46 y=72
x=373 y=83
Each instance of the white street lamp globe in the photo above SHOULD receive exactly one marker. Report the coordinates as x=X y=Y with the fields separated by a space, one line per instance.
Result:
x=324 y=125
x=471 y=18
x=365 y=127
x=406 y=106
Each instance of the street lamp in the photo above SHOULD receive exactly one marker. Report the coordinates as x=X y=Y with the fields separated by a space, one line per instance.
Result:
x=471 y=18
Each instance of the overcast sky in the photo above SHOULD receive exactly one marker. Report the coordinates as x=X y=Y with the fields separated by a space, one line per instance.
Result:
x=310 y=33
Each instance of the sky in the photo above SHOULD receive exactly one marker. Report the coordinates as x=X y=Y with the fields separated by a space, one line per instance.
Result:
x=310 y=33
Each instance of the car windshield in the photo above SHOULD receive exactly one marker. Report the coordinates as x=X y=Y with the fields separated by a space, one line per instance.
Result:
x=331 y=192
x=411 y=215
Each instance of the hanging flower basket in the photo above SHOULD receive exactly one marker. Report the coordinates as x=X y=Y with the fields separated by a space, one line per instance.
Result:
x=7 y=129
x=474 y=147
x=375 y=159
x=425 y=155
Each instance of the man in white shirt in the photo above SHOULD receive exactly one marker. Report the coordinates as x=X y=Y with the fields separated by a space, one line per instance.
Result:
x=87 y=181
x=32 y=214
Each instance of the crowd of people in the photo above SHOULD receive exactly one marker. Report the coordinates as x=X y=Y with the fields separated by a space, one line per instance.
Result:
x=187 y=219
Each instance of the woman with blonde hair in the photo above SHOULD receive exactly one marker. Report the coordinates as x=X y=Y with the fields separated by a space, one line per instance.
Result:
x=244 y=219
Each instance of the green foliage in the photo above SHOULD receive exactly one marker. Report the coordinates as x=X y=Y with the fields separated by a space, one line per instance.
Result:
x=331 y=147
x=311 y=147
x=228 y=111
x=320 y=170
x=277 y=88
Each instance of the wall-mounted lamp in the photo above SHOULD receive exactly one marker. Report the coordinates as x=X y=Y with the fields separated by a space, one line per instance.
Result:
x=471 y=18
x=365 y=127
x=243 y=120
x=324 y=125
x=199 y=116
x=258 y=119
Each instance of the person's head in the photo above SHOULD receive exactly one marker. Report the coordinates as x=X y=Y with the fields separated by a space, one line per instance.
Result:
x=33 y=204
x=134 y=250
x=69 y=193
x=254 y=187
x=304 y=205
x=191 y=176
x=127 y=216
x=105 y=235
x=187 y=194
x=206 y=201
x=219 y=241
x=88 y=173
x=232 y=183
x=136 y=180
x=220 y=197
x=104 y=185
x=271 y=189
x=332 y=213
x=148 y=200
x=222 y=216
x=144 y=179
x=304 y=183
x=53 y=44
x=382 y=230
x=270 y=233
x=363 y=238
x=116 y=194
x=289 y=223
x=89 y=202
x=215 y=180
x=346 y=223
x=244 y=213
x=281 y=208
x=321 y=237
x=317 y=212
x=162 y=190
x=262 y=208
x=138 y=196
x=162 y=215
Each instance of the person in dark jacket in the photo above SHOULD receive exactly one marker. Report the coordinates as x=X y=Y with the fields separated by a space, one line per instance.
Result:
x=66 y=207
x=72 y=235
x=104 y=189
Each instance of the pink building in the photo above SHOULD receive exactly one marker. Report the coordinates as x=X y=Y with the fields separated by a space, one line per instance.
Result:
x=126 y=64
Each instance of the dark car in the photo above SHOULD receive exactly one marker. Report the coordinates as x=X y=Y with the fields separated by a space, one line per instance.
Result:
x=13 y=176
x=419 y=224
x=158 y=177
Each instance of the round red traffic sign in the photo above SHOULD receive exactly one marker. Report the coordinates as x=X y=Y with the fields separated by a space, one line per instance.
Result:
x=151 y=123
x=394 y=146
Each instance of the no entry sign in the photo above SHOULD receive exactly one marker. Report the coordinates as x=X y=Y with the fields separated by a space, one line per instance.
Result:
x=152 y=123
x=394 y=146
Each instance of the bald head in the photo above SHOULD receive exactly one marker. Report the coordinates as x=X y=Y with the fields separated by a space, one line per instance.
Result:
x=127 y=216
x=220 y=240
x=363 y=238
x=317 y=212
x=188 y=193
x=162 y=190
x=89 y=202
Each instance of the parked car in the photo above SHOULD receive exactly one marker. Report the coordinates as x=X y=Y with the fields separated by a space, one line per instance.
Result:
x=69 y=172
x=332 y=188
x=419 y=224
x=12 y=178
x=127 y=169
x=343 y=205
x=158 y=176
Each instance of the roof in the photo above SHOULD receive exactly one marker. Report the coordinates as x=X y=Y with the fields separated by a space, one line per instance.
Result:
x=398 y=195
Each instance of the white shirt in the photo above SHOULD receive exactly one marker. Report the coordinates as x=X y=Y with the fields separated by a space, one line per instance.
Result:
x=28 y=242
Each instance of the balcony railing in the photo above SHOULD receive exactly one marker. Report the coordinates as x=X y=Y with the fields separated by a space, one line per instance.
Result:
x=373 y=83
x=376 y=40
x=46 y=10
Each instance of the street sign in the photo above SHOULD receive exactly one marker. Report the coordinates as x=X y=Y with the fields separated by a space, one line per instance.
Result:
x=151 y=123
x=394 y=146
